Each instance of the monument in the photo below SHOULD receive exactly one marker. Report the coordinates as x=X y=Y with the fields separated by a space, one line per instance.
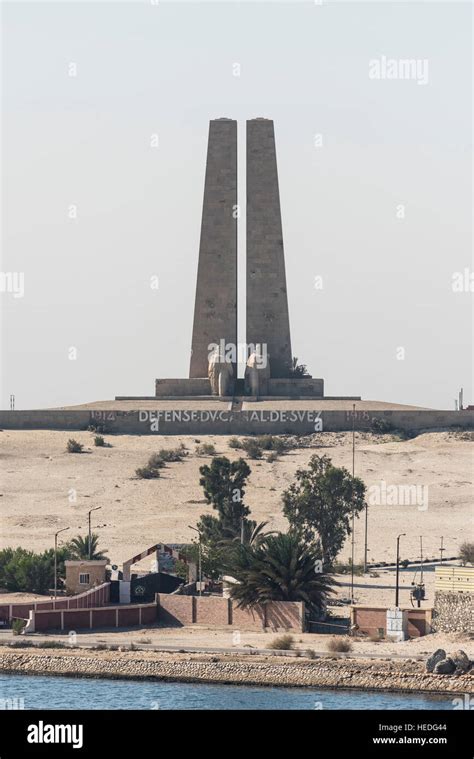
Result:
x=268 y=321
x=215 y=310
x=215 y=349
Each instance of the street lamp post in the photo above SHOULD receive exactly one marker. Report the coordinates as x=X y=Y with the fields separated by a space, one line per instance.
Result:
x=398 y=563
x=56 y=560
x=441 y=550
x=96 y=508
x=199 y=559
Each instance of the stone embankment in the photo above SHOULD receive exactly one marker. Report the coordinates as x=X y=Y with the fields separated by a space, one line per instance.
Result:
x=259 y=670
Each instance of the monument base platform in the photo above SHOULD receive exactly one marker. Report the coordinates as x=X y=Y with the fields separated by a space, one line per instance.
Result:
x=281 y=387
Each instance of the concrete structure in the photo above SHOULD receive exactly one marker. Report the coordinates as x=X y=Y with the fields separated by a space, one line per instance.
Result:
x=397 y=625
x=267 y=302
x=83 y=575
x=373 y=621
x=215 y=311
x=217 y=417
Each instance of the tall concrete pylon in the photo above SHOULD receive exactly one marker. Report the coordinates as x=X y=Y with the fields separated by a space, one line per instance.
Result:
x=267 y=302
x=215 y=310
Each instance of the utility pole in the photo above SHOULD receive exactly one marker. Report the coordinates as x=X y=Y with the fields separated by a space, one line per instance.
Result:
x=366 y=533
x=353 y=513
x=90 y=532
x=56 y=560
x=398 y=564
x=441 y=550
x=199 y=558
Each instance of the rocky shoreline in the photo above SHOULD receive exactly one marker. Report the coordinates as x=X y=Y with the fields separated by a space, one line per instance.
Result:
x=405 y=676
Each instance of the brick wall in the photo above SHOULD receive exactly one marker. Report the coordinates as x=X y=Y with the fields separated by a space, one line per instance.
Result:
x=175 y=610
x=285 y=614
x=247 y=619
x=109 y=616
x=220 y=612
x=371 y=619
x=211 y=611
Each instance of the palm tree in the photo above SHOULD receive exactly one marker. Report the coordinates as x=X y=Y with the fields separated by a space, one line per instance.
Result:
x=79 y=548
x=278 y=568
x=252 y=534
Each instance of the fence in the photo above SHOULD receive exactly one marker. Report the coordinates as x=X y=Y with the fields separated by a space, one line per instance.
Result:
x=98 y=596
x=90 y=618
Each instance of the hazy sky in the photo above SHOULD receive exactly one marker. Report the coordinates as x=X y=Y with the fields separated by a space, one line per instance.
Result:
x=381 y=210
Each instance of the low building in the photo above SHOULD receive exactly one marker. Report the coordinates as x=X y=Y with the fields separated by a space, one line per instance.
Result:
x=83 y=574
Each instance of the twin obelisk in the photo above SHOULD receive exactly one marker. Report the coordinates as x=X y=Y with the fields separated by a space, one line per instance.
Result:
x=215 y=312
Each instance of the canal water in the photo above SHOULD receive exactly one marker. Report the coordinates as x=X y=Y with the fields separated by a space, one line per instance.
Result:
x=45 y=692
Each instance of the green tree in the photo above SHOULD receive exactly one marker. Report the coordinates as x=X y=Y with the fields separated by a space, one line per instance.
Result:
x=28 y=572
x=223 y=483
x=320 y=503
x=79 y=548
x=279 y=568
x=466 y=553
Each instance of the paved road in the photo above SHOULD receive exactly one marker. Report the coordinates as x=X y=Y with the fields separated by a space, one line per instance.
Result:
x=36 y=640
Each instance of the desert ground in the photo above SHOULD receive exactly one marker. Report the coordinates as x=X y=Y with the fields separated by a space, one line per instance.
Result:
x=44 y=489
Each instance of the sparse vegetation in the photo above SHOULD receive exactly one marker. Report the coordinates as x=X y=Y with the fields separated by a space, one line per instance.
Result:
x=98 y=427
x=381 y=426
x=252 y=447
x=234 y=442
x=273 y=456
x=147 y=473
x=151 y=470
x=169 y=455
x=282 y=643
x=99 y=441
x=205 y=449
x=339 y=644
x=20 y=643
x=297 y=370
x=310 y=653
x=18 y=626
x=52 y=644
x=272 y=443
x=156 y=461
x=73 y=446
